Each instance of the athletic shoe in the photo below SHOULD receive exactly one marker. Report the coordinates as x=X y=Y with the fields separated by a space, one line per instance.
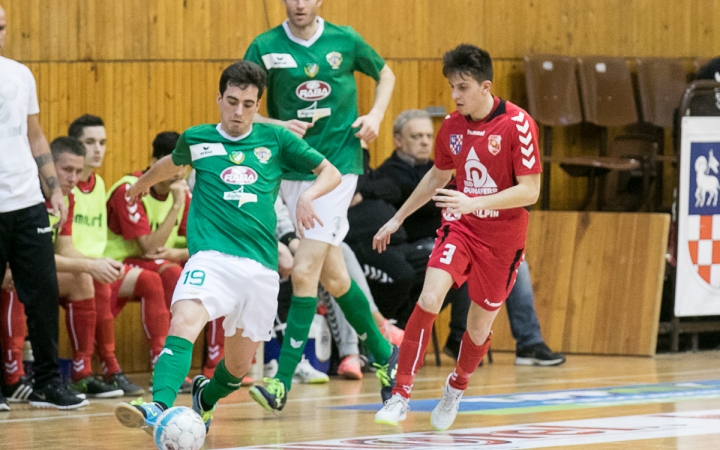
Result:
x=538 y=355
x=272 y=397
x=198 y=386
x=307 y=374
x=4 y=404
x=386 y=374
x=446 y=410
x=185 y=387
x=18 y=392
x=351 y=368
x=270 y=368
x=92 y=387
x=393 y=334
x=138 y=414
x=120 y=381
x=56 y=395
x=394 y=410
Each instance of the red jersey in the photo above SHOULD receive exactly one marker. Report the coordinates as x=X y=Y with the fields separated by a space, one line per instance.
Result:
x=66 y=229
x=488 y=156
x=130 y=220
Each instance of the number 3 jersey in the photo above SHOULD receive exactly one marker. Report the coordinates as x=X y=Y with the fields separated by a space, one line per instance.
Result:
x=488 y=156
x=237 y=182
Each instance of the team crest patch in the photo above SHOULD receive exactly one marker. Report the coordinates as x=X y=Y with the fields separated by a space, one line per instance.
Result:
x=237 y=157
x=263 y=154
x=456 y=143
x=494 y=142
x=334 y=59
x=311 y=69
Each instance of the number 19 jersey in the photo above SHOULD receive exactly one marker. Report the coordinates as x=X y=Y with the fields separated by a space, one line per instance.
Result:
x=237 y=182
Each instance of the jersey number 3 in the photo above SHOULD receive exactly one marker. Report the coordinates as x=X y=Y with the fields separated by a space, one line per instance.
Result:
x=448 y=254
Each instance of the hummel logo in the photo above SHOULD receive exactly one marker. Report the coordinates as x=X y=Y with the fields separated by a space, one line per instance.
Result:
x=166 y=350
x=525 y=139
x=476 y=133
x=295 y=344
x=363 y=336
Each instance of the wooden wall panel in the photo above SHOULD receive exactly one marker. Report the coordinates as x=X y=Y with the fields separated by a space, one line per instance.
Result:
x=597 y=279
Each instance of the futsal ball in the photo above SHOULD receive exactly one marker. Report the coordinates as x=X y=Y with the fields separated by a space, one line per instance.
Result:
x=179 y=428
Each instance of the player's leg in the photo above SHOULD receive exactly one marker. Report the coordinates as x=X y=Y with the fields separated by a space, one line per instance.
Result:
x=215 y=343
x=306 y=273
x=77 y=292
x=17 y=387
x=414 y=344
x=146 y=285
x=169 y=274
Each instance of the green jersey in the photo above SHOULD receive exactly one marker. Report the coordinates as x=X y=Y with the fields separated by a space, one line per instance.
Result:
x=236 y=184
x=314 y=81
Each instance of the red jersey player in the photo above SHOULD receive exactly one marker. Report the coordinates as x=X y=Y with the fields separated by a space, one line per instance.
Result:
x=492 y=146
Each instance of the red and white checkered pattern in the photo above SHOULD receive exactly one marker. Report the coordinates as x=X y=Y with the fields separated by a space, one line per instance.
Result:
x=704 y=245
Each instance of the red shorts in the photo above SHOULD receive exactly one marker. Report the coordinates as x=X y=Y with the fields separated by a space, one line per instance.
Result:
x=489 y=271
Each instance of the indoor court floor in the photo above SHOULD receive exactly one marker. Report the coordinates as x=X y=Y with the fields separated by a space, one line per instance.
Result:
x=671 y=401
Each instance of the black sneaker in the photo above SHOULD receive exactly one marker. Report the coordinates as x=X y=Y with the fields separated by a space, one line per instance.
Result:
x=4 y=404
x=18 y=392
x=56 y=395
x=386 y=374
x=120 y=381
x=538 y=355
x=92 y=387
x=272 y=396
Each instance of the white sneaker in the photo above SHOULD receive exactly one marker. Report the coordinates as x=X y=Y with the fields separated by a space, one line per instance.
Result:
x=306 y=373
x=270 y=368
x=445 y=412
x=394 y=411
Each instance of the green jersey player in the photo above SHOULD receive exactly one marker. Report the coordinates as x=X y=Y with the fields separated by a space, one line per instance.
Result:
x=232 y=270
x=312 y=91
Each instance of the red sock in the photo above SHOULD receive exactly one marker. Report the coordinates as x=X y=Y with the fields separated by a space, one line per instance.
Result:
x=105 y=330
x=80 y=319
x=12 y=336
x=412 y=349
x=170 y=276
x=155 y=314
x=468 y=360
x=215 y=341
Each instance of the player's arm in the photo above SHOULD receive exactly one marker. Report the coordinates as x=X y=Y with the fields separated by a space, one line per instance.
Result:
x=41 y=152
x=152 y=243
x=328 y=178
x=370 y=123
x=433 y=180
x=160 y=171
x=171 y=254
x=525 y=193
x=297 y=127
x=68 y=259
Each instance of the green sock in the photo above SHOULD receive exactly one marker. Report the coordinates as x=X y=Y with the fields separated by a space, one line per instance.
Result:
x=357 y=312
x=222 y=384
x=171 y=369
x=299 y=320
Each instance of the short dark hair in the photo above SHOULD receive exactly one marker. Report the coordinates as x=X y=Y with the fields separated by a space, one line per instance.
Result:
x=243 y=74
x=66 y=144
x=164 y=144
x=78 y=125
x=467 y=59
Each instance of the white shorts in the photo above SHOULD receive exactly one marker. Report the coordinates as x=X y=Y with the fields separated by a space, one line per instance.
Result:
x=331 y=208
x=240 y=289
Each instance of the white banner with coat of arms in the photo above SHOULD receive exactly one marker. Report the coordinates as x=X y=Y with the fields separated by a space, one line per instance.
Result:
x=697 y=291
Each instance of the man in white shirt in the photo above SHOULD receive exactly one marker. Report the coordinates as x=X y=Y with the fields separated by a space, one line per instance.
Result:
x=25 y=232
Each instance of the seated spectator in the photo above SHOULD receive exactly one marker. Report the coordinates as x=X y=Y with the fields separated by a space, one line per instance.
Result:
x=413 y=137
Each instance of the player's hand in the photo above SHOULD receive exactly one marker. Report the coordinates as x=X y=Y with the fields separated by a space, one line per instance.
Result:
x=369 y=127
x=106 y=270
x=306 y=215
x=134 y=193
x=59 y=208
x=171 y=254
x=455 y=202
x=179 y=191
x=285 y=261
x=382 y=237
x=298 y=127
x=7 y=282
